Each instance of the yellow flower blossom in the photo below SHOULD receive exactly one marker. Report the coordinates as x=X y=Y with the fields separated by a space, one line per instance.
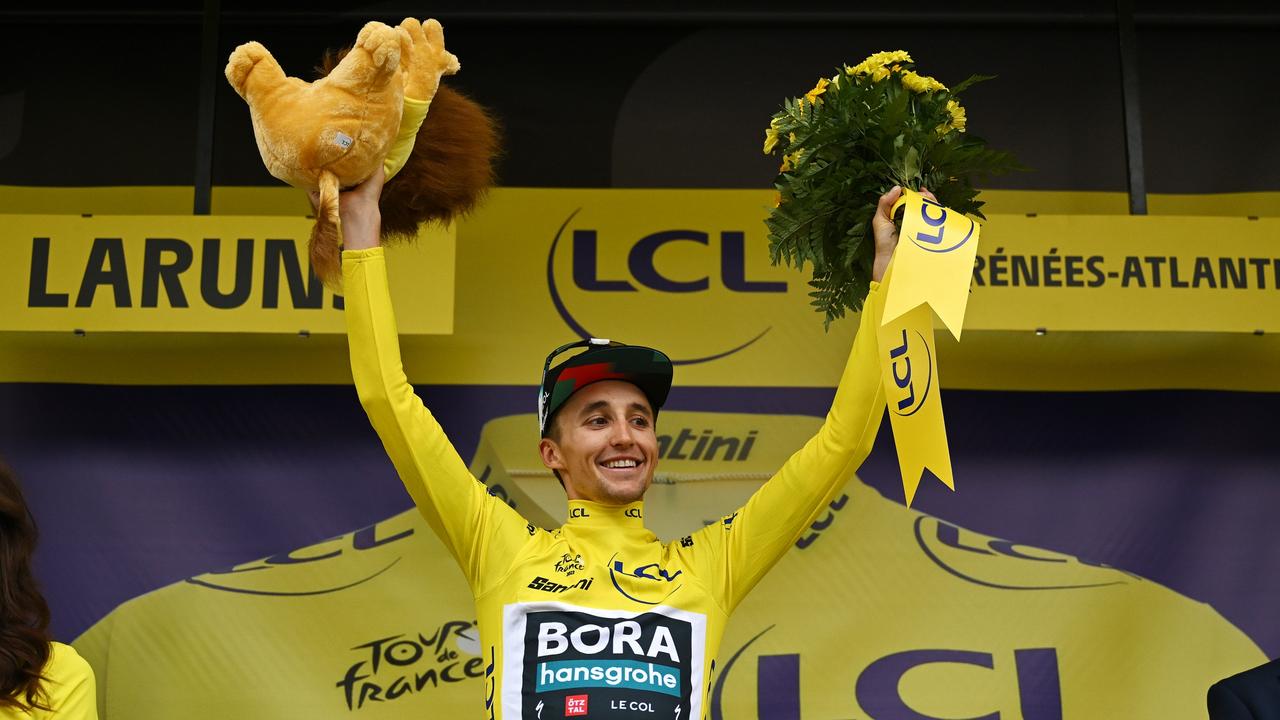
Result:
x=879 y=65
x=881 y=59
x=920 y=83
x=790 y=161
x=956 y=121
x=958 y=118
x=890 y=56
x=821 y=87
x=770 y=140
x=913 y=82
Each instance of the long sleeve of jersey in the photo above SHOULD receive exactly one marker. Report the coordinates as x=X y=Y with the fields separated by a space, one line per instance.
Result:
x=739 y=550
x=478 y=528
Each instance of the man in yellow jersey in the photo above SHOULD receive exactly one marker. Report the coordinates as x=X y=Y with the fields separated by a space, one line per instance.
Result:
x=598 y=618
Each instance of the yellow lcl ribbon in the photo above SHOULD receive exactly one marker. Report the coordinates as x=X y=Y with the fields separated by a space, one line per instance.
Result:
x=931 y=270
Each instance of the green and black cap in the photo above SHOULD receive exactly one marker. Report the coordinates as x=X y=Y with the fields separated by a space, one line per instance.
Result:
x=644 y=367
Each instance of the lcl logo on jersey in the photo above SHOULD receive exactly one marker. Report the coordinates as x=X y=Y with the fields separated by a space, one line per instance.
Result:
x=642 y=580
x=720 y=265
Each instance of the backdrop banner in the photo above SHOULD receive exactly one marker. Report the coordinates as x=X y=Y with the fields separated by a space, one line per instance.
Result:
x=878 y=611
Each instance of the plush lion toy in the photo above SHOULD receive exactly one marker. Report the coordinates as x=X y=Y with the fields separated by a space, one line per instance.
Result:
x=369 y=109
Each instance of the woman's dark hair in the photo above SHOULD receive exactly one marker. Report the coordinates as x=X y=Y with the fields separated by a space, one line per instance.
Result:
x=24 y=614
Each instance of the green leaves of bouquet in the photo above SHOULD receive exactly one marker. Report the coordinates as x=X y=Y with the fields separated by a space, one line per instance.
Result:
x=848 y=141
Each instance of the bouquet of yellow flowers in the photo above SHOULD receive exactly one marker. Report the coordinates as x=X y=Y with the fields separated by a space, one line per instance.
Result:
x=848 y=141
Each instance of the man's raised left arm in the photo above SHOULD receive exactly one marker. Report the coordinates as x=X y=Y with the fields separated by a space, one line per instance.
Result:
x=747 y=546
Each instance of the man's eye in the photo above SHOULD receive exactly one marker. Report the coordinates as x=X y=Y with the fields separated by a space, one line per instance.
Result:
x=597 y=421
x=640 y=422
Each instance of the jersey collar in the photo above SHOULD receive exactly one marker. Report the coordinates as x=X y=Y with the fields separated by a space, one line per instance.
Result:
x=584 y=513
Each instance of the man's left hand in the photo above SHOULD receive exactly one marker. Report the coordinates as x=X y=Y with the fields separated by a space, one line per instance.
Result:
x=886 y=232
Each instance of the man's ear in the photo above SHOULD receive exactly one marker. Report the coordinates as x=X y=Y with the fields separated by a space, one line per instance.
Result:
x=550 y=452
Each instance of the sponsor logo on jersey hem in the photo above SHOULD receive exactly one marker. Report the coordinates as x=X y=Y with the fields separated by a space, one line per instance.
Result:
x=575 y=705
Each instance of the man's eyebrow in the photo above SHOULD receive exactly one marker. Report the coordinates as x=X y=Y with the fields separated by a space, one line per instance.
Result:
x=641 y=408
x=602 y=404
x=597 y=405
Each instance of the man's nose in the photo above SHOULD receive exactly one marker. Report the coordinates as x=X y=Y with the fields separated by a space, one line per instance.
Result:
x=621 y=435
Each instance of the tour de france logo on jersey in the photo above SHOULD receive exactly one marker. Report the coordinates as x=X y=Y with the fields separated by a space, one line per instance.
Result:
x=564 y=661
x=569 y=564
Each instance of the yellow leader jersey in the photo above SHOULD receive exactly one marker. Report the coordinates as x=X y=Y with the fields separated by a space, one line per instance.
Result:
x=598 y=618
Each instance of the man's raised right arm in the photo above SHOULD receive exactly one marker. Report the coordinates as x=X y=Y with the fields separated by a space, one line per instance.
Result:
x=473 y=524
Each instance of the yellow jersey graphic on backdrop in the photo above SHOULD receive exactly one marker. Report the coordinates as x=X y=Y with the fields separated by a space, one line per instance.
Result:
x=878 y=611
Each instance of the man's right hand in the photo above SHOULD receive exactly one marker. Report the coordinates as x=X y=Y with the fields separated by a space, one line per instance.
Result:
x=358 y=209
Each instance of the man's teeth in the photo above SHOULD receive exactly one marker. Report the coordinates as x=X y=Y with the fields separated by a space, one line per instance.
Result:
x=620 y=464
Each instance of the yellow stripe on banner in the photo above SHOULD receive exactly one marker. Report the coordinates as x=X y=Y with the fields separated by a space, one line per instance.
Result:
x=1250 y=204
x=155 y=200
x=1046 y=202
x=282 y=200
x=17 y=199
x=1052 y=202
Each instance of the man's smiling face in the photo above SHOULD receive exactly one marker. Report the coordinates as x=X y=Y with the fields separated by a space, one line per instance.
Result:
x=603 y=443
